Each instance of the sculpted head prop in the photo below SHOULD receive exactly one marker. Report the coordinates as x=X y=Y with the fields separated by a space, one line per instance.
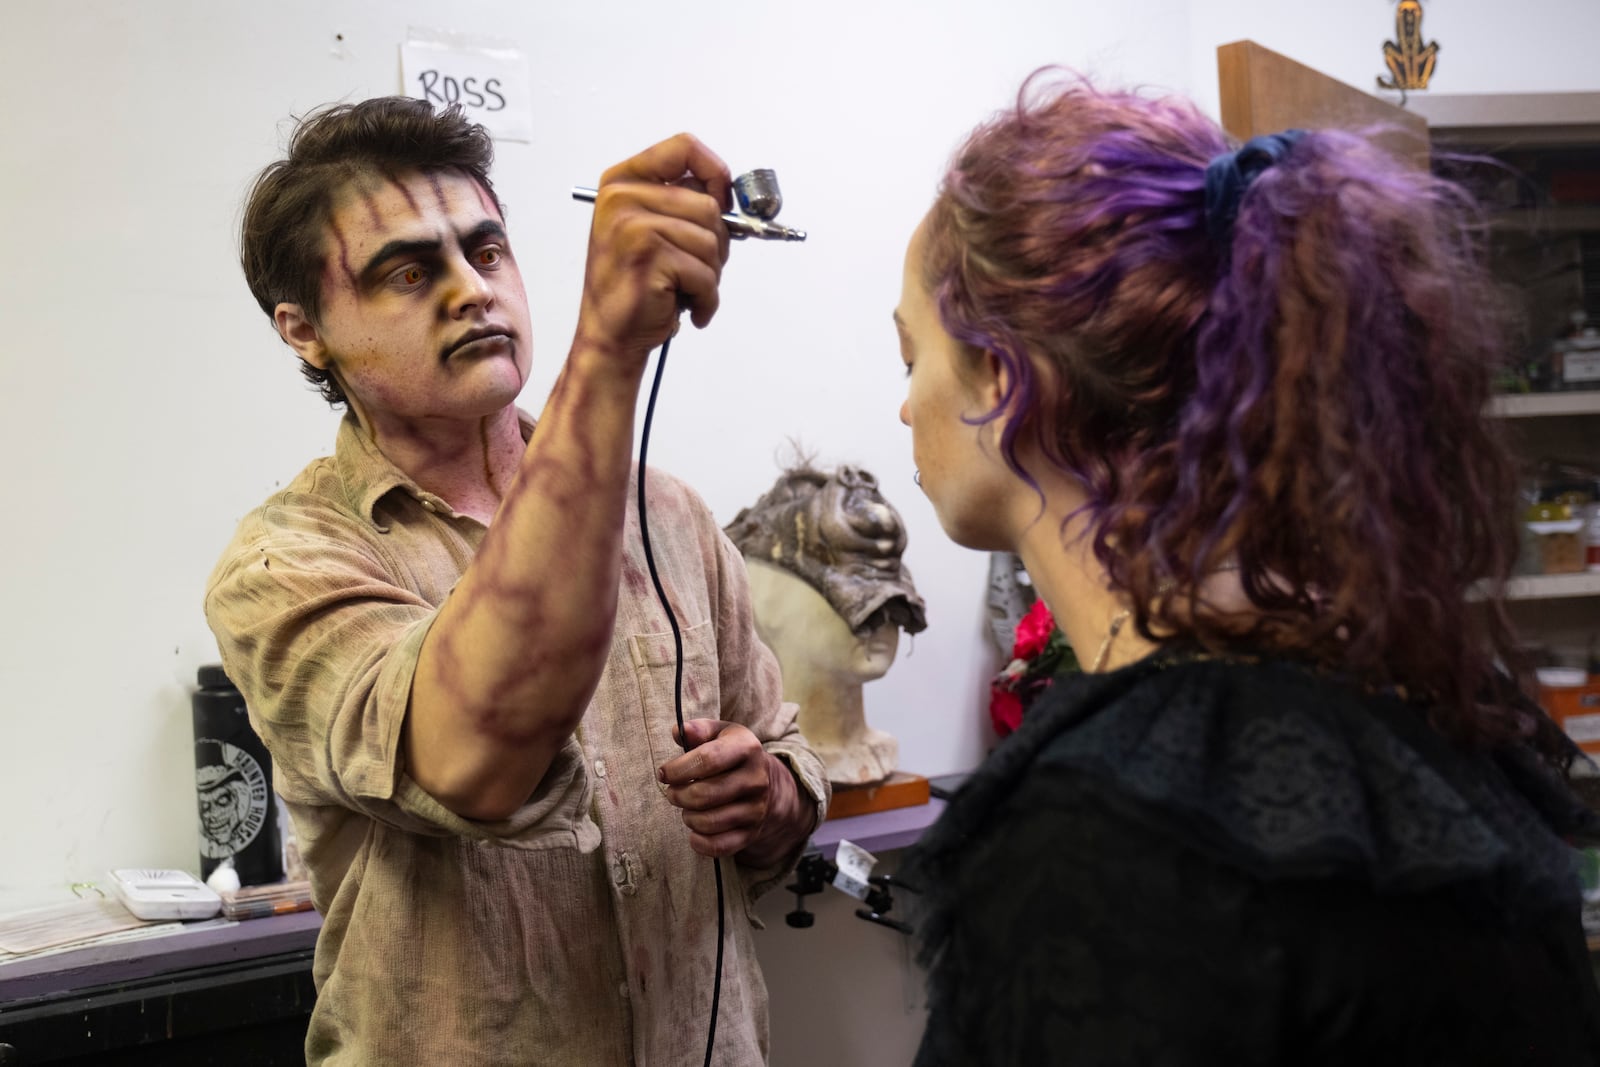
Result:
x=838 y=534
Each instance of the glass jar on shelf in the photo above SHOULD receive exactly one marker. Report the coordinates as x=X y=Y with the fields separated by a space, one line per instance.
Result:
x=1575 y=358
x=1557 y=537
x=1556 y=515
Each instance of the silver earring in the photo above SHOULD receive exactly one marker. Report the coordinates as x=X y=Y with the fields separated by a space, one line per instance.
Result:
x=917 y=477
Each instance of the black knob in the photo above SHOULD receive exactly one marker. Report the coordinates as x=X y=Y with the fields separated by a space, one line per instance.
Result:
x=9 y=1056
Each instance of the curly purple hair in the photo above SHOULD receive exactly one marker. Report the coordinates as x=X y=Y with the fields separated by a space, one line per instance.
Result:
x=1305 y=397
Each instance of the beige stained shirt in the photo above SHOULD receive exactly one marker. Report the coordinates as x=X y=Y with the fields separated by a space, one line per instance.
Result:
x=582 y=930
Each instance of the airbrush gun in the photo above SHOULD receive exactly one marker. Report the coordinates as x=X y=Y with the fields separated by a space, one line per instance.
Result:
x=759 y=203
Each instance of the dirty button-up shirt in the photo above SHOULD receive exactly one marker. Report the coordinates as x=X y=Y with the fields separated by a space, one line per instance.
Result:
x=582 y=929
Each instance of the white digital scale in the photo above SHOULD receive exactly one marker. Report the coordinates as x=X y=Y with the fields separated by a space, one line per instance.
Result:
x=153 y=893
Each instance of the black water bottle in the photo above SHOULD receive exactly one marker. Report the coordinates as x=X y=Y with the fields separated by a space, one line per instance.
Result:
x=233 y=779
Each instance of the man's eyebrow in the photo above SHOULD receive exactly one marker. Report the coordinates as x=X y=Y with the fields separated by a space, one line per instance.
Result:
x=396 y=249
x=487 y=230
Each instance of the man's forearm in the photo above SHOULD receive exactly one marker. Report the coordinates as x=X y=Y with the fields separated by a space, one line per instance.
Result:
x=511 y=663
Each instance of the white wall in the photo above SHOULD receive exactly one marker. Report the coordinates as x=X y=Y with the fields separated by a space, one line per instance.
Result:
x=845 y=992
x=147 y=404
x=1485 y=46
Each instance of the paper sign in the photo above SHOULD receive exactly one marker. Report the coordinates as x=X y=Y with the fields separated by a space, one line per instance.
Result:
x=488 y=78
x=855 y=868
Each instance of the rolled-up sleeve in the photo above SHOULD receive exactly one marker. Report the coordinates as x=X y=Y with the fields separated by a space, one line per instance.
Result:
x=321 y=636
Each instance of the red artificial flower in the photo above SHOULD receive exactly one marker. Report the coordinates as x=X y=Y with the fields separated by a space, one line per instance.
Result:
x=1005 y=710
x=1033 y=632
x=1039 y=653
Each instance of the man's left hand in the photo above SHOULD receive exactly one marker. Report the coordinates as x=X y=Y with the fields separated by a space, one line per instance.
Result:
x=735 y=796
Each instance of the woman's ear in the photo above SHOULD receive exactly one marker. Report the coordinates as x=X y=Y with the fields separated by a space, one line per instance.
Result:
x=986 y=379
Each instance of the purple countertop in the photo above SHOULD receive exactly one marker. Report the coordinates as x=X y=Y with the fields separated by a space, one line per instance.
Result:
x=206 y=945
x=129 y=961
x=881 y=831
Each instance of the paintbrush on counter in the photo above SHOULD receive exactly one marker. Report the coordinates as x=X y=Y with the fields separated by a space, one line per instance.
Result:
x=259 y=901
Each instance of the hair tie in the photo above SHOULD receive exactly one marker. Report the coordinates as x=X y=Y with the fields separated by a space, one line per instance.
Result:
x=1230 y=174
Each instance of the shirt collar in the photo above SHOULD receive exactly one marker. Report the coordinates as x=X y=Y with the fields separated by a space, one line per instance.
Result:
x=368 y=475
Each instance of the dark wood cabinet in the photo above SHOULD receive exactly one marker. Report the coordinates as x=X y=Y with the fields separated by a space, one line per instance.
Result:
x=234 y=996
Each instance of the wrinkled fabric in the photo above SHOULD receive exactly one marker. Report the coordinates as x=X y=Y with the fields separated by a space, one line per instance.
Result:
x=582 y=929
x=1204 y=861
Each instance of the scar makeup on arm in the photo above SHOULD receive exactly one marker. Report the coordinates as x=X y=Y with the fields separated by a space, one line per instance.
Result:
x=530 y=690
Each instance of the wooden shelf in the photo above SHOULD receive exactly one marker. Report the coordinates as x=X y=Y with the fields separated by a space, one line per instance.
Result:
x=1510 y=119
x=1550 y=220
x=1553 y=586
x=1533 y=405
x=1548 y=587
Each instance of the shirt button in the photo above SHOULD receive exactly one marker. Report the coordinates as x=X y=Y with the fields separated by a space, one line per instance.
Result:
x=622 y=990
x=599 y=768
x=427 y=505
x=622 y=874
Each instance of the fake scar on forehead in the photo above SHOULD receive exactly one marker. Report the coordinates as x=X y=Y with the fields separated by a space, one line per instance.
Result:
x=374 y=215
x=369 y=191
x=484 y=199
x=370 y=200
x=411 y=201
x=344 y=256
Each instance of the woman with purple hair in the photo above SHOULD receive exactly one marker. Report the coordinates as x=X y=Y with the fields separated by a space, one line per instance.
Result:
x=1226 y=402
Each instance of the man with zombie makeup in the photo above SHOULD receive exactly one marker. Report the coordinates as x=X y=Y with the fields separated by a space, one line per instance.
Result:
x=447 y=637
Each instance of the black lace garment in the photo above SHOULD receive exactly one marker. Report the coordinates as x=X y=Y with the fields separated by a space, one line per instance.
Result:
x=1205 y=861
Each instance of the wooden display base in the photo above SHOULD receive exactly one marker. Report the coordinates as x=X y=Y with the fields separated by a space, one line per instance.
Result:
x=899 y=790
